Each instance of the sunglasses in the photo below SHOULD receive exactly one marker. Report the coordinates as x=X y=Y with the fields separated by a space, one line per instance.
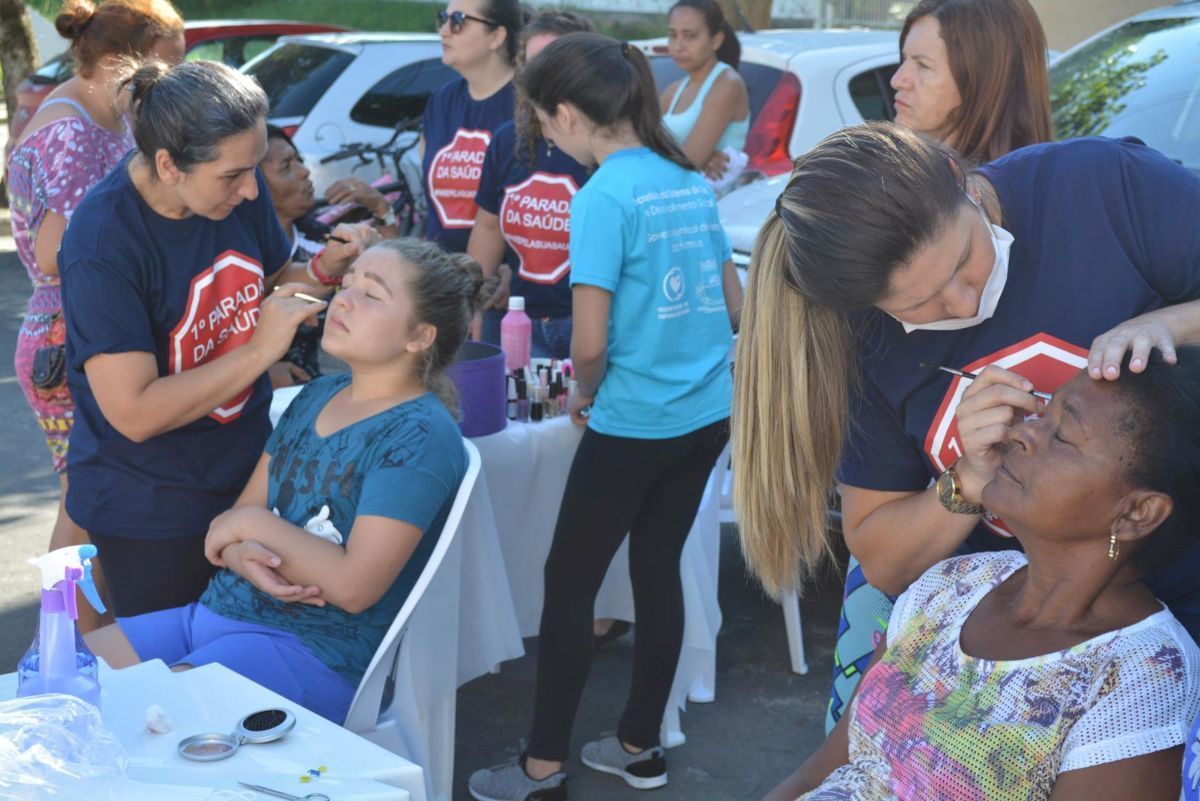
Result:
x=458 y=19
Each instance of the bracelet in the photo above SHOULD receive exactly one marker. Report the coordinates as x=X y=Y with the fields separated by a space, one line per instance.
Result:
x=314 y=272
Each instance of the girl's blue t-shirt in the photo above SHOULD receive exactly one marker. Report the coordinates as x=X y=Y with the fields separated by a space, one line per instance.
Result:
x=1104 y=230
x=186 y=291
x=646 y=230
x=457 y=130
x=403 y=463
x=531 y=195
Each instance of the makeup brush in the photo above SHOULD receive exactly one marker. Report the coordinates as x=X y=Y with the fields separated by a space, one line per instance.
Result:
x=1037 y=393
x=303 y=296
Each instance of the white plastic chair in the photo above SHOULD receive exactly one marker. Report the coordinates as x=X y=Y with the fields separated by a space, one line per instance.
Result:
x=406 y=699
x=791 y=601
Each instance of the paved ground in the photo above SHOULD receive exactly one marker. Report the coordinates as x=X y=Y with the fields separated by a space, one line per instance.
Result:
x=765 y=718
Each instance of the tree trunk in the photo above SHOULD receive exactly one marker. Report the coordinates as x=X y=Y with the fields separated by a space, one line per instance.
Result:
x=18 y=50
x=756 y=13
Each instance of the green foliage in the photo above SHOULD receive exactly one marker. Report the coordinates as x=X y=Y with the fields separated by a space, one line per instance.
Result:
x=1088 y=90
x=368 y=15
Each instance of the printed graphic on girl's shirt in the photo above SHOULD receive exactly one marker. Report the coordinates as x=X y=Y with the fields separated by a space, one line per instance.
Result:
x=1048 y=362
x=222 y=311
x=535 y=220
x=454 y=178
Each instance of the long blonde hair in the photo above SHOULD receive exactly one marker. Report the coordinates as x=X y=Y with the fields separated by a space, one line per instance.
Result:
x=857 y=206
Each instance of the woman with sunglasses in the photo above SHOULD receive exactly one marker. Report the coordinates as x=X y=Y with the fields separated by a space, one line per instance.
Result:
x=479 y=41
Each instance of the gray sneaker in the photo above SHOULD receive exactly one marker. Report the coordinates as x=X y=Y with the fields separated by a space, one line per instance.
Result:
x=510 y=782
x=643 y=771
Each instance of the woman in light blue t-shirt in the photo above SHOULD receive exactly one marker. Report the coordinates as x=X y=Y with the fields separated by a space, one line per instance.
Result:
x=345 y=506
x=654 y=295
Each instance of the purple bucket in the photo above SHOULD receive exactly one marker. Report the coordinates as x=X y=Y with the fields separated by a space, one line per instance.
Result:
x=478 y=375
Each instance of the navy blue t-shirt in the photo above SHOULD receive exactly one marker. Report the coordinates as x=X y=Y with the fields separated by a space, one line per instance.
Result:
x=187 y=291
x=457 y=131
x=531 y=194
x=1104 y=230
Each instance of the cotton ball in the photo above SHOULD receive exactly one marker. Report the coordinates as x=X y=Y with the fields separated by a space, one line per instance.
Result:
x=157 y=721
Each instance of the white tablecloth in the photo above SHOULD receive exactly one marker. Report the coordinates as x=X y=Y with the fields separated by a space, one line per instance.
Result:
x=213 y=698
x=526 y=467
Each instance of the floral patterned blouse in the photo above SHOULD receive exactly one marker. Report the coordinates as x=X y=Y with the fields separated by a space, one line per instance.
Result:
x=932 y=723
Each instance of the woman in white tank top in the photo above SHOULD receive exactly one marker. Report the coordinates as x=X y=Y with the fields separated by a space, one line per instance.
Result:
x=707 y=111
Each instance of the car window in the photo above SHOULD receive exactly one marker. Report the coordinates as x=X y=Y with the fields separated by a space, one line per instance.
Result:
x=1141 y=79
x=402 y=94
x=760 y=82
x=56 y=70
x=872 y=93
x=254 y=46
x=295 y=76
x=212 y=50
x=234 y=50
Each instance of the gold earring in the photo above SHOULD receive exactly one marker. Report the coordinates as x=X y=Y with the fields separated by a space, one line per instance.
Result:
x=1114 y=547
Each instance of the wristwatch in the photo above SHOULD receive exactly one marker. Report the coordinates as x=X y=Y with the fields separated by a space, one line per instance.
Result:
x=949 y=491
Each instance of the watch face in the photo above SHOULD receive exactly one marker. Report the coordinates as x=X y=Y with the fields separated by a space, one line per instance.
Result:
x=945 y=488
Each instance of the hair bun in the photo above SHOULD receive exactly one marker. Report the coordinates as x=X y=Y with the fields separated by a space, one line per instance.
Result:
x=74 y=18
x=475 y=288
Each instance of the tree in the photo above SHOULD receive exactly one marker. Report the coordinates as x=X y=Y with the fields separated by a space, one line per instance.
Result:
x=18 y=50
x=756 y=13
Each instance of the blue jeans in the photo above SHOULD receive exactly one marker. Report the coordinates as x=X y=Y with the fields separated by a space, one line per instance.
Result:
x=551 y=338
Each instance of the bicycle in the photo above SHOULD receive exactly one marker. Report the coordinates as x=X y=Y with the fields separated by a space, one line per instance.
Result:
x=408 y=206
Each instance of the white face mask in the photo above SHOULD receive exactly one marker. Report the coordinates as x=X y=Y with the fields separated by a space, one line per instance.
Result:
x=989 y=299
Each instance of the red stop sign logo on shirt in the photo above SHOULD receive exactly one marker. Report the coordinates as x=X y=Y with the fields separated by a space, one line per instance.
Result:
x=222 y=311
x=1046 y=361
x=535 y=218
x=454 y=178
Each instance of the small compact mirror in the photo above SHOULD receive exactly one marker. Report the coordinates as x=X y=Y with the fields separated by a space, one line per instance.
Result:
x=208 y=747
x=265 y=726
x=258 y=727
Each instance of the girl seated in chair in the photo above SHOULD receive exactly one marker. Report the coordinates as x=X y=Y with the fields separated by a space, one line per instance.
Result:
x=328 y=538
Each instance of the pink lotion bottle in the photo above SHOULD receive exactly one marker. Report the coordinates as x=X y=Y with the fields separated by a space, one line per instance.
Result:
x=516 y=330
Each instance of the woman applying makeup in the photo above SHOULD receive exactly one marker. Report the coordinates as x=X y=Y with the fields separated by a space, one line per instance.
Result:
x=168 y=270
x=973 y=76
x=78 y=134
x=854 y=284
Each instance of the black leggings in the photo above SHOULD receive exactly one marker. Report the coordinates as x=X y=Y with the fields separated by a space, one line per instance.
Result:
x=149 y=575
x=650 y=489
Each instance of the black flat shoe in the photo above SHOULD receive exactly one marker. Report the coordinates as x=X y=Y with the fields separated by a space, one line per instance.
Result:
x=618 y=629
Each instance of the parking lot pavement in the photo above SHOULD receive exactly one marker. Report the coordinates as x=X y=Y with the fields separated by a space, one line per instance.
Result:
x=764 y=722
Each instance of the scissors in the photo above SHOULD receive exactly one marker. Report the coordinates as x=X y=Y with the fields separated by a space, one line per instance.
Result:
x=279 y=794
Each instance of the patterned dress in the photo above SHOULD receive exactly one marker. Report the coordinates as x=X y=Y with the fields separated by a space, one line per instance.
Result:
x=51 y=171
x=933 y=723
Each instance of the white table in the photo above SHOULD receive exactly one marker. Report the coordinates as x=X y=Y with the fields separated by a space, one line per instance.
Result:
x=213 y=698
x=526 y=467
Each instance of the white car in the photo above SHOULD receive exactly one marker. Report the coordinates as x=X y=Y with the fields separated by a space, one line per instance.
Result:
x=804 y=85
x=332 y=90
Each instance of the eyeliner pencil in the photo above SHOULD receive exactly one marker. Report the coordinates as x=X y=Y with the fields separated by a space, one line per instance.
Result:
x=1037 y=393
